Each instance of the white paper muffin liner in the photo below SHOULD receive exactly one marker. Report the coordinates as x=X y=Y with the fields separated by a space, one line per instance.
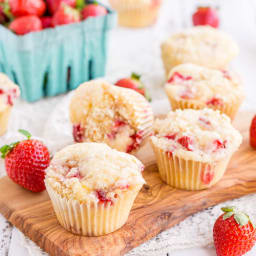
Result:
x=188 y=174
x=91 y=219
x=230 y=109
x=143 y=114
x=4 y=119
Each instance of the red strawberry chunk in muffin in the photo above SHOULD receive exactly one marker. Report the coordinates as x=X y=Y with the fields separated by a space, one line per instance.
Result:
x=186 y=142
x=171 y=136
x=215 y=102
x=207 y=175
x=178 y=78
x=137 y=139
x=219 y=145
x=118 y=124
x=187 y=94
x=204 y=122
x=101 y=195
x=226 y=74
x=78 y=133
x=1 y=91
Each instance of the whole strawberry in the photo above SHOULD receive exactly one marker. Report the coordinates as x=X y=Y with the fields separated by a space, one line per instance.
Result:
x=93 y=10
x=27 y=7
x=65 y=15
x=206 y=16
x=253 y=133
x=26 y=161
x=53 y=5
x=233 y=233
x=26 y=24
x=135 y=84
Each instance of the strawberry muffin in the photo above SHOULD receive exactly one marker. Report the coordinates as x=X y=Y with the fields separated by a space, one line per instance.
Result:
x=119 y=117
x=193 y=147
x=136 y=13
x=197 y=87
x=8 y=93
x=93 y=187
x=202 y=45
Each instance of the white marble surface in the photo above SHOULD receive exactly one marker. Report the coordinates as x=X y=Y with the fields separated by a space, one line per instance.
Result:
x=138 y=50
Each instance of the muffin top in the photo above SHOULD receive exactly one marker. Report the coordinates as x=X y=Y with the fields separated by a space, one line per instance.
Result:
x=202 y=45
x=8 y=92
x=200 y=135
x=93 y=172
x=209 y=86
x=102 y=111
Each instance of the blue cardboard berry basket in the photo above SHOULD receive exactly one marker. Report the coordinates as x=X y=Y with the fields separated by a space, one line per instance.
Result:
x=54 y=61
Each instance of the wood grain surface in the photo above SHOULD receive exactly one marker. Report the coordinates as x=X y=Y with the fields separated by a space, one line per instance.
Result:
x=156 y=208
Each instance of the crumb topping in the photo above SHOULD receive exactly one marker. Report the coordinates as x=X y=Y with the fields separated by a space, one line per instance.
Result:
x=94 y=171
x=208 y=86
x=200 y=135
x=202 y=45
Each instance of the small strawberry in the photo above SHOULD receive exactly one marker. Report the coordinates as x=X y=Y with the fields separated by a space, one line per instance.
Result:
x=253 y=133
x=27 y=7
x=26 y=161
x=46 y=22
x=53 y=5
x=65 y=15
x=234 y=234
x=206 y=16
x=93 y=10
x=26 y=24
x=135 y=84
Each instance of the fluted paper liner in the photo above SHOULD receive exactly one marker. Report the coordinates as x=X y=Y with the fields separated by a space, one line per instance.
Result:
x=91 y=219
x=230 y=109
x=132 y=15
x=4 y=118
x=188 y=174
x=143 y=114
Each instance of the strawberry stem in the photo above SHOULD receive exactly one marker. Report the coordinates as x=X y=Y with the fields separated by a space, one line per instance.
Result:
x=80 y=4
x=25 y=133
x=6 y=149
x=135 y=76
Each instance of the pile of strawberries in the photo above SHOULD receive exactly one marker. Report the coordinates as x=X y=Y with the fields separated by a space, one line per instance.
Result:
x=25 y=16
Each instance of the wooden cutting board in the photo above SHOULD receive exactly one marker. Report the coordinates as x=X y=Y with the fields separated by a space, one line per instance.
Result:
x=157 y=207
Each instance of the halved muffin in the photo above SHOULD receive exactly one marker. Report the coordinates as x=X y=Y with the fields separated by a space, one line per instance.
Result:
x=119 y=117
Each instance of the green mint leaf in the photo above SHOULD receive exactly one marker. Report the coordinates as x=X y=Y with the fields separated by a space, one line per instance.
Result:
x=25 y=133
x=229 y=209
x=227 y=215
x=135 y=76
x=241 y=219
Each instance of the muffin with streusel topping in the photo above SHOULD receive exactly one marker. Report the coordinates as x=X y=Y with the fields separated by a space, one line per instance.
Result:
x=198 y=87
x=193 y=147
x=8 y=93
x=202 y=45
x=119 y=117
x=92 y=187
